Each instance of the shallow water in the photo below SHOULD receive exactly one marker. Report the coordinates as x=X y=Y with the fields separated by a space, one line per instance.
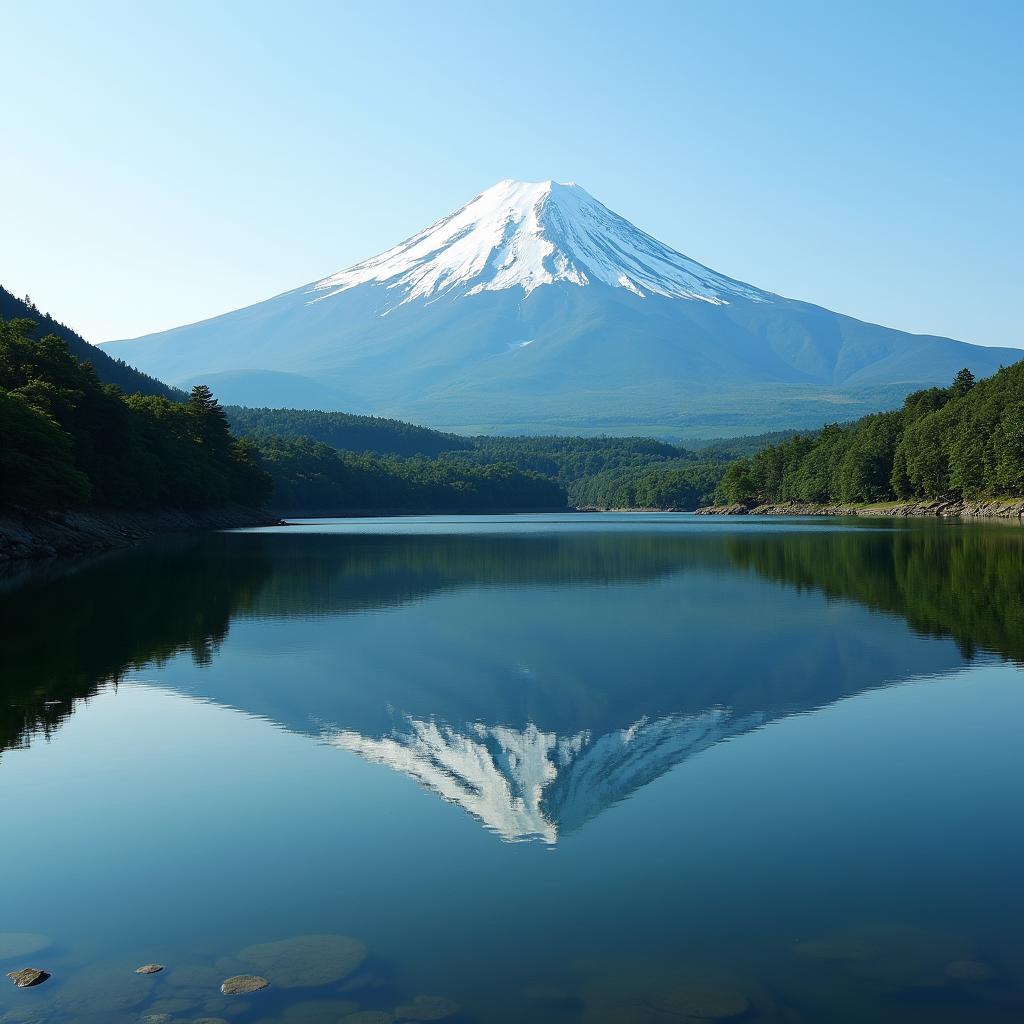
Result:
x=578 y=768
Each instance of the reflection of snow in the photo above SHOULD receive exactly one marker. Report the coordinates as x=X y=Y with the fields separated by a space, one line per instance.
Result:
x=527 y=784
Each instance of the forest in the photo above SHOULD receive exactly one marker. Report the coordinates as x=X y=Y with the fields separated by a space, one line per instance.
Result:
x=310 y=475
x=343 y=430
x=71 y=441
x=963 y=441
x=108 y=369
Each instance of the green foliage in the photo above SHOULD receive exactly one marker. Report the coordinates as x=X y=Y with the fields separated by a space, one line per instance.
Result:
x=963 y=441
x=71 y=441
x=36 y=458
x=344 y=431
x=311 y=475
x=567 y=459
x=676 y=485
x=108 y=369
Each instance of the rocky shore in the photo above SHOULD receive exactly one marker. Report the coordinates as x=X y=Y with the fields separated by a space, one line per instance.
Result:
x=996 y=508
x=51 y=534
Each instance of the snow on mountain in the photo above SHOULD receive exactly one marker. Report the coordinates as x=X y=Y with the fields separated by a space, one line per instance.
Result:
x=522 y=234
x=536 y=309
x=525 y=784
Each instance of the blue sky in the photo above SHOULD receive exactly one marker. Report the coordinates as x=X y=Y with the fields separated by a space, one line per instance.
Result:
x=165 y=163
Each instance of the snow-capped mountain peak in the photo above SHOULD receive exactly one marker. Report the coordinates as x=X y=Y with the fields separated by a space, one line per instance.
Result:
x=521 y=234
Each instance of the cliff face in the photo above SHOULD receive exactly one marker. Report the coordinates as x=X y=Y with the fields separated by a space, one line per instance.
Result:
x=995 y=508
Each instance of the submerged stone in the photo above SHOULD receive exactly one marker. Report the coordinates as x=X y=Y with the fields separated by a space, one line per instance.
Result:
x=307 y=960
x=171 y=1006
x=427 y=1008
x=892 y=956
x=701 y=1000
x=28 y=977
x=243 y=984
x=319 y=1011
x=104 y=991
x=196 y=982
x=149 y=969
x=157 y=1018
x=838 y=949
x=968 y=970
x=14 y=944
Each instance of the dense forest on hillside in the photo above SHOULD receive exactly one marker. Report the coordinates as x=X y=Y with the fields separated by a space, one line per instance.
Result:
x=71 y=441
x=966 y=441
x=311 y=475
x=109 y=370
x=344 y=430
x=567 y=459
x=673 y=485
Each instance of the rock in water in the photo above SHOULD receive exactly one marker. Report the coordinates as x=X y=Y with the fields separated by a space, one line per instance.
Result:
x=149 y=969
x=424 y=1008
x=242 y=984
x=307 y=960
x=27 y=977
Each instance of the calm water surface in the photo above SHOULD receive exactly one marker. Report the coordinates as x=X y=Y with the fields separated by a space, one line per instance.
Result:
x=556 y=769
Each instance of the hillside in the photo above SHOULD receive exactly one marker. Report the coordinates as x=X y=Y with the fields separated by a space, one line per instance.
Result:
x=964 y=441
x=345 y=431
x=108 y=369
x=71 y=441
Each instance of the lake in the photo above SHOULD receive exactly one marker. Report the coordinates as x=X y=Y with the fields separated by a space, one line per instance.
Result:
x=587 y=768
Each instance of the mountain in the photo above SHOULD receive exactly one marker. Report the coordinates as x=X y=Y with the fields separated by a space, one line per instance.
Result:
x=536 y=308
x=110 y=371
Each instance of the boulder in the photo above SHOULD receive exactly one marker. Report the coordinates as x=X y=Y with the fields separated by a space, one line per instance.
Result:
x=243 y=984
x=28 y=977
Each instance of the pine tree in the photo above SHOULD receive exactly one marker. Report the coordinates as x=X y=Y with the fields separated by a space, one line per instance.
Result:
x=962 y=383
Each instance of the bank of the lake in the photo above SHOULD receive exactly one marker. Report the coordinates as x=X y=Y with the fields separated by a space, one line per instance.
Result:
x=960 y=508
x=391 y=513
x=33 y=535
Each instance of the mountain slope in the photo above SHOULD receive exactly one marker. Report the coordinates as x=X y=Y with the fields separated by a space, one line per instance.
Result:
x=110 y=371
x=534 y=307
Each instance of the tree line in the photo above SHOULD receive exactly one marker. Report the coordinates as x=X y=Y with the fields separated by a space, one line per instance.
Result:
x=964 y=441
x=108 y=369
x=311 y=475
x=345 y=431
x=71 y=441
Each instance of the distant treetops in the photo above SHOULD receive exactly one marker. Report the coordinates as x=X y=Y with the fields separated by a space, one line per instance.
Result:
x=966 y=441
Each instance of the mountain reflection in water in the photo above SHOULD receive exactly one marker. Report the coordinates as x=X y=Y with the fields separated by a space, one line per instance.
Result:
x=559 y=680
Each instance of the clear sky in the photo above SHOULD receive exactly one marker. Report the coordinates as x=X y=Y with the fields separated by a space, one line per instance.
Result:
x=162 y=163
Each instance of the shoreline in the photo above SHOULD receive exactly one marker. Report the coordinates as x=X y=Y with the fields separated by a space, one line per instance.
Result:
x=393 y=513
x=948 y=508
x=29 y=537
